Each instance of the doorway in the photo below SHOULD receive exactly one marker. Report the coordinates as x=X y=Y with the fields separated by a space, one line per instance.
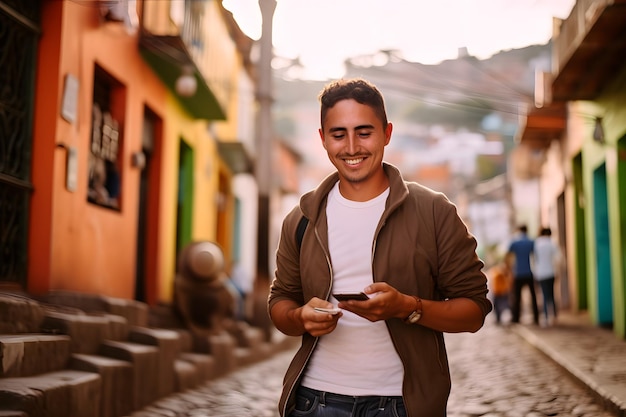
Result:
x=19 y=20
x=604 y=298
x=148 y=210
x=184 y=212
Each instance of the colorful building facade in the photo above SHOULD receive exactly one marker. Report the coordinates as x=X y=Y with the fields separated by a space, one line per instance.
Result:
x=120 y=165
x=580 y=127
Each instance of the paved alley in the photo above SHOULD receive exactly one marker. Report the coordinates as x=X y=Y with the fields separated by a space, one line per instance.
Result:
x=494 y=373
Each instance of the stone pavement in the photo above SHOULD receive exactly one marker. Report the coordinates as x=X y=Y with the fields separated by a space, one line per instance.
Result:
x=594 y=356
x=495 y=373
x=251 y=391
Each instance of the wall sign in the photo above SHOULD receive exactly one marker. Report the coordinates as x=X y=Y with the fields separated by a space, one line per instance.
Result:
x=69 y=107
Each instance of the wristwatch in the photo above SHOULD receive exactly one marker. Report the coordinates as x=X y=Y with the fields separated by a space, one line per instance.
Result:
x=416 y=314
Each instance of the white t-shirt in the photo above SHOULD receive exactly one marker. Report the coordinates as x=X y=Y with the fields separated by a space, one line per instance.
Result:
x=358 y=357
x=546 y=253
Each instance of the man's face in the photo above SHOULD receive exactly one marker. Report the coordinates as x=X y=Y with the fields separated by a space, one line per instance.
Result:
x=355 y=141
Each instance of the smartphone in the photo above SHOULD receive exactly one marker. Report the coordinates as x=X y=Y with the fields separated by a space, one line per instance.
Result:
x=332 y=311
x=361 y=296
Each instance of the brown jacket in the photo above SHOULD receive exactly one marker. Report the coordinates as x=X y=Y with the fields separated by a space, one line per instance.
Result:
x=421 y=248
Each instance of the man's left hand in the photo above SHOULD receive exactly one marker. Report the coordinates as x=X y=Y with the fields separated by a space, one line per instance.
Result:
x=385 y=302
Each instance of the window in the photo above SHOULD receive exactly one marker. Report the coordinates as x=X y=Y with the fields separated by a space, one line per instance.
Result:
x=105 y=177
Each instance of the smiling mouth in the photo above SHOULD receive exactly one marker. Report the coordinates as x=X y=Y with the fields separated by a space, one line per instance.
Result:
x=354 y=161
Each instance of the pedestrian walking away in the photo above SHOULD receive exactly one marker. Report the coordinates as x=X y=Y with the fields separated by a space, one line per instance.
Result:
x=546 y=255
x=392 y=263
x=522 y=249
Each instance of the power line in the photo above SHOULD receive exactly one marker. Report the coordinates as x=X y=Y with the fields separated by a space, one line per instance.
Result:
x=433 y=85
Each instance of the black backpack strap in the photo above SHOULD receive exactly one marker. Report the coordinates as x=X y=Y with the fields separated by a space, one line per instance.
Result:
x=302 y=224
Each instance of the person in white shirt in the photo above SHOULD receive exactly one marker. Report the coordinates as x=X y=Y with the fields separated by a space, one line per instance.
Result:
x=545 y=257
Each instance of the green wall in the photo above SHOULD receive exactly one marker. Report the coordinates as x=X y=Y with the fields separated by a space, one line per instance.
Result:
x=604 y=213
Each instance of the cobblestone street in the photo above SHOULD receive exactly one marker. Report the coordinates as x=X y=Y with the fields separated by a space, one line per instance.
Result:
x=495 y=373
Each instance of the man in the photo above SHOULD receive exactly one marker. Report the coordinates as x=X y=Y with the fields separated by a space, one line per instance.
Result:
x=401 y=244
x=546 y=256
x=522 y=248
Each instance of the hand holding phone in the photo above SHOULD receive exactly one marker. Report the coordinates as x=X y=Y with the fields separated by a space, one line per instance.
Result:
x=361 y=296
x=332 y=311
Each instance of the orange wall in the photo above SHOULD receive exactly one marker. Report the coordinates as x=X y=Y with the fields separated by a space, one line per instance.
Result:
x=44 y=150
x=75 y=245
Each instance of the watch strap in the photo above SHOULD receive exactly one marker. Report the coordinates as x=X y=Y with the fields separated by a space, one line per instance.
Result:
x=416 y=314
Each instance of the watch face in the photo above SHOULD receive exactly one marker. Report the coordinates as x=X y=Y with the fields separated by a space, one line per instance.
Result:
x=414 y=317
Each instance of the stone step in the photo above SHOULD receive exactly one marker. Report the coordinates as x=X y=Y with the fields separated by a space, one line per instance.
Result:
x=135 y=312
x=54 y=394
x=86 y=331
x=186 y=340
x=251 y=345
x=168 y=346
x=128 y=372
x=246 y=335
x=25 y=355
x=145 y=364
x=187 y=375
x=203 y=364
x=222 y=346
x=10 y=413
x=117 y=382
x=19 y=314
x=248 y=355
x=95 y=356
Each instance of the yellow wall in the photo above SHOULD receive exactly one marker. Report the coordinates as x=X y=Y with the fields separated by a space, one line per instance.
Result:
x=196 y=135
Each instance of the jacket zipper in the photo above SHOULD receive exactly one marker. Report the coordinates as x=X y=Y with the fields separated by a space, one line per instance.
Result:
x=374 y=243
x=393 y=340
x=330 y=269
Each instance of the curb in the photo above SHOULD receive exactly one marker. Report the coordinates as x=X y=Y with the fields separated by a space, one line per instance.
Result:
x=576 y=369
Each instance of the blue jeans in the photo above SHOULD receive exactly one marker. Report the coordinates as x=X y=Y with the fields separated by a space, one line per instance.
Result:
x=547 y=290
x=314 y=403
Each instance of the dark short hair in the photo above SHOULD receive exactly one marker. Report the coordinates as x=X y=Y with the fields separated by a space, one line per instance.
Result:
x=545 y=231
x=522 y=228
x=357 y=89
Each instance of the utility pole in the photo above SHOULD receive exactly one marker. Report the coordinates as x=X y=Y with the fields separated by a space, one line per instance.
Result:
x=264 y=136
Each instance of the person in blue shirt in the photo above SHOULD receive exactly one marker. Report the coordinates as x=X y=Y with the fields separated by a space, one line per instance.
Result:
x=522 y=248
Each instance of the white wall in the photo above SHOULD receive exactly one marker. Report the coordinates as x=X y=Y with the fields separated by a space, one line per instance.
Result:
x=246 y=191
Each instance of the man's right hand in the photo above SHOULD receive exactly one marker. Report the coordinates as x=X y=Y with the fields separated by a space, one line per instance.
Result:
x=295 y=320
x=317 y=323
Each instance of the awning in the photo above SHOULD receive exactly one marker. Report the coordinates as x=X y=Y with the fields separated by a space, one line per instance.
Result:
x=167 y=55
x=543 y=125
x=235 y=156
x=591 y=48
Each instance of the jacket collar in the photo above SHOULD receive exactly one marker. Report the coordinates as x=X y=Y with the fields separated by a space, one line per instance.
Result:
x=314 y=201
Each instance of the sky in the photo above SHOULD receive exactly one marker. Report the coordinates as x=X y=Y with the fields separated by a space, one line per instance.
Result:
x=322 y=34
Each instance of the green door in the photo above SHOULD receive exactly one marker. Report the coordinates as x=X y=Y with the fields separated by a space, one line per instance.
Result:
x=604 y=298
x=185 y=196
